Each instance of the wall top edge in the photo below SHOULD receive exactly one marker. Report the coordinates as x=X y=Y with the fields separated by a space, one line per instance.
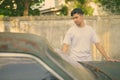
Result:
x=54 y=17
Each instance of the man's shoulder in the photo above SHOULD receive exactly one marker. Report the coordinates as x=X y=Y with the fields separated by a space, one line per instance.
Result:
x=71 y=28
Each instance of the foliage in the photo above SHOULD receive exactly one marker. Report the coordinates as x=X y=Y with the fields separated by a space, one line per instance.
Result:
x=64 y=10
x=83 y=4
x=17 y=8
x=112 y=6
x=82 y=1
x=68 y=0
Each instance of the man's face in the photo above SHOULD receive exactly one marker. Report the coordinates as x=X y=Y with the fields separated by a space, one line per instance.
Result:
x=78 y=19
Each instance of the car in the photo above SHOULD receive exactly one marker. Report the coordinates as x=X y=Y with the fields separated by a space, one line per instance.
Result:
x=25 y=56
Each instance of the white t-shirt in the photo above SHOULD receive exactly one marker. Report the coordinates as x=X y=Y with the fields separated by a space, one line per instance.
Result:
x=80 y=40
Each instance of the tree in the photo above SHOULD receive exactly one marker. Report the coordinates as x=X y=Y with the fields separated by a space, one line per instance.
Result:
x=19 y=7
x=83 y=4
x=112 y=6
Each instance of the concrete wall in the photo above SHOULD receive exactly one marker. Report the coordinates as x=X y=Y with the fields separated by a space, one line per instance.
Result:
x=54 y=28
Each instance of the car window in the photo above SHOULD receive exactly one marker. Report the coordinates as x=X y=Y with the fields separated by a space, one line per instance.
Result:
x=23 y=68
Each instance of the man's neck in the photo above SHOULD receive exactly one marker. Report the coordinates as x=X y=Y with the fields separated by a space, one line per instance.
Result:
x=81 y=25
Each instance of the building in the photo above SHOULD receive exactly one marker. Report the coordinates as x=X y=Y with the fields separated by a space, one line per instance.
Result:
x=51 y=7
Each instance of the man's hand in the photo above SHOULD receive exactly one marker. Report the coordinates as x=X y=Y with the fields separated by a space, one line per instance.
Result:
x=65 y=48
x=112 y=60
x=102 y=51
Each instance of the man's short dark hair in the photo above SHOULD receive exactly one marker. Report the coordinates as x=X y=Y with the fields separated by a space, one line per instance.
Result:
x=77 y=10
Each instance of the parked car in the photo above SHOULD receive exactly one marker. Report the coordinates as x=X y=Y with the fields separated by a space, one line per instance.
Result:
x=26 y=56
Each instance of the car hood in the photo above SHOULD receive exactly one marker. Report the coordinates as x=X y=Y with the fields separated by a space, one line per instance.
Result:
x=109 y=69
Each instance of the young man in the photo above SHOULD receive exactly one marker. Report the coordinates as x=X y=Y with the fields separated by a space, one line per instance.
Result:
x=78 y=39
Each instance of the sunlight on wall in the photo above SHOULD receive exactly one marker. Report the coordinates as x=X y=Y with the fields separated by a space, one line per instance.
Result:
x=1 y=26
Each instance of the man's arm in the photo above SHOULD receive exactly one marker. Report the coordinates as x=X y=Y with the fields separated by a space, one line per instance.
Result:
x=65 y=48
x=102 y=51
